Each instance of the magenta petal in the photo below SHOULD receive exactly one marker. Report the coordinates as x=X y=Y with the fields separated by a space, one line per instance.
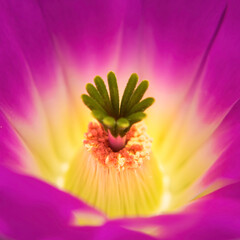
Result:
x=11 y=149
x=165 y=38
x=27 y=56
x=228 y=138
x=220 y=88
x=111 y=231
x=181 y=31
x=15 y=90
x=88 y=30
x=215 y=216
x=29 y=33
x=31 y=209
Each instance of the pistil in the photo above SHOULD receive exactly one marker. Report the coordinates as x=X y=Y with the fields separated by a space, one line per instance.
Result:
x=116 y=143
x=115 y=117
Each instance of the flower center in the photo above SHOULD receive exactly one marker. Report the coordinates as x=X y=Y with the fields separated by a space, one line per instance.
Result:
x=115 y=170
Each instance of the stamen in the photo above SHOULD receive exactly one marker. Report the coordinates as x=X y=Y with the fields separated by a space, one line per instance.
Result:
x=136 y=151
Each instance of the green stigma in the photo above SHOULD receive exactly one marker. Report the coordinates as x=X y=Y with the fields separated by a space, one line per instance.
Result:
x=117 y=116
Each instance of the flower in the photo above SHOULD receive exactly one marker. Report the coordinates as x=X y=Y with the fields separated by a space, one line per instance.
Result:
x=189 y=52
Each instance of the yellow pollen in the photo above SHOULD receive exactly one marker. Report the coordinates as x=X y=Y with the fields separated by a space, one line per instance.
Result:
x=136 y=151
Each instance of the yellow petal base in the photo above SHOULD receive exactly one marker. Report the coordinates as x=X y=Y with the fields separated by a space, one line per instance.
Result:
x=131 y=192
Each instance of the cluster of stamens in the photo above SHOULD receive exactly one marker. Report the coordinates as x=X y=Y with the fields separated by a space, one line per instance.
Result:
x=136 y=151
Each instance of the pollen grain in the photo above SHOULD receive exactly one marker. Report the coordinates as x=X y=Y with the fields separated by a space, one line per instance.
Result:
x=136 y=151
